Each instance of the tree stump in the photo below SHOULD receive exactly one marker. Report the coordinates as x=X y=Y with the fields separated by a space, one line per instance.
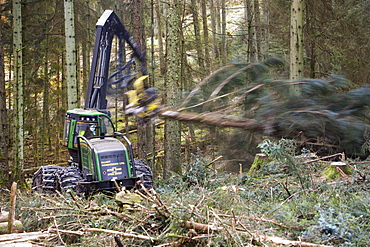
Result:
x=337 y=169
x=259 y=160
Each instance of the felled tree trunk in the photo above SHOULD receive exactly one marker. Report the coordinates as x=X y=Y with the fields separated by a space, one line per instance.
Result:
x=213 y=119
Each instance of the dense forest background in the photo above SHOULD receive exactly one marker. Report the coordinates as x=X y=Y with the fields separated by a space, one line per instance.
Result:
x=185 y=41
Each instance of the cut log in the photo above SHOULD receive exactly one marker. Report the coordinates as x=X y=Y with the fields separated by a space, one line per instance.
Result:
x=19 y=237
x=199 y=227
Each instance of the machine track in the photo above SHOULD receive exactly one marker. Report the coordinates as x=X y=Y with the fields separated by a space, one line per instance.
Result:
x=54 y=177
x=145 y=173
x=44 y=178
x=68 y=178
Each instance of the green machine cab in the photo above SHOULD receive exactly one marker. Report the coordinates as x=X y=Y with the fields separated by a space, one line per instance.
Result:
x=86 y=123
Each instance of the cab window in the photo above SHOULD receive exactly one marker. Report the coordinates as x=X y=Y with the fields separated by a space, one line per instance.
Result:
x=86 y=129
x=107 y=127
x=66 y=132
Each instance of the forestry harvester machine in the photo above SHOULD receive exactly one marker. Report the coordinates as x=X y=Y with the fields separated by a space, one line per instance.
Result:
x=99 y=160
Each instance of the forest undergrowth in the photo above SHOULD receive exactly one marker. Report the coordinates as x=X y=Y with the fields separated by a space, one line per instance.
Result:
x=284 y=200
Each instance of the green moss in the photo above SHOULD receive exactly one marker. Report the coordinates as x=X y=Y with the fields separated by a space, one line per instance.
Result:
x=259 y=161
x=332 y=172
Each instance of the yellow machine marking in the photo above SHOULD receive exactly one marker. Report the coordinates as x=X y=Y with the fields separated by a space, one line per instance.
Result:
x=114 y=171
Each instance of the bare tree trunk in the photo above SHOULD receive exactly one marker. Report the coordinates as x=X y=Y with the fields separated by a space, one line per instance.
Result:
x=162 y=63
x=214 y=24
x=248 y=14
x=45 y=105
x=159 y=11
x=207 y=59
x=172 y=138
x=72 y=89
x=257 y=25
x=18 y=91
x=87 y=48
x=223 y=32
x=60 y=117
x=4 y=165
x=296 y=43
x=310 y=41
x=198 y=42
x=266 y=33
x=145 y=130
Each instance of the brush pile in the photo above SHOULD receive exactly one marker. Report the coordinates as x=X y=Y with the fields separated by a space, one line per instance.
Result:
x=273 y=205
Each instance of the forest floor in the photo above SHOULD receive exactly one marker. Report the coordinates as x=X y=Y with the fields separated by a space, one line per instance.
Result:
x=283 y=201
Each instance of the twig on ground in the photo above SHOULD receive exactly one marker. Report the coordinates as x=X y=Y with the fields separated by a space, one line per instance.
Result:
x=122 y=234
x=153 y=197
x=76 y=233
x=57 y=231
x=281 y=241
x=258 y=219
x=322 y=158
x=64 y=215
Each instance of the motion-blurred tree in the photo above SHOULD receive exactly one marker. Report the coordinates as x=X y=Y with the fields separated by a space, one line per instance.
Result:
x=327 y=117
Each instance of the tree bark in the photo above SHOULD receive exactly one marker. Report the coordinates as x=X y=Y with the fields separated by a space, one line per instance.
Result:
x=4 y=165
x=145 y=130
x=70 y=54
x=198 y=42
x=214 y=24
x=223 y=32
x=206 y=57
x=172 y=138
x=257 y=28
x=296 y=43
x=18 y=91
x=45 y=106
x=248 y=15
x=162 y=63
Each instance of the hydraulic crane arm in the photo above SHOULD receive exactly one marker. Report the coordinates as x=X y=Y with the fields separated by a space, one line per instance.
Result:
x=108 y=26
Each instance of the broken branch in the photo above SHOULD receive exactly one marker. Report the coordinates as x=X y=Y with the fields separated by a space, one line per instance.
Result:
x=123 y=234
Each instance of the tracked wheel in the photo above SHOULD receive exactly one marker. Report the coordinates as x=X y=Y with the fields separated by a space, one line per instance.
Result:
x=69 y=178
x=44 y=178
x=145 y=173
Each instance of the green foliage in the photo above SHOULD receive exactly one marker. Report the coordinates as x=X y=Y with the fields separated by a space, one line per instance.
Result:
x=272 y=204
x=281 y=150
x=197 y=172
x=285 y=161
x=340 y=225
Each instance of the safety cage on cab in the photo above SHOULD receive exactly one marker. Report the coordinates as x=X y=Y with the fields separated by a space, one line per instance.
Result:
x=87 y=124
